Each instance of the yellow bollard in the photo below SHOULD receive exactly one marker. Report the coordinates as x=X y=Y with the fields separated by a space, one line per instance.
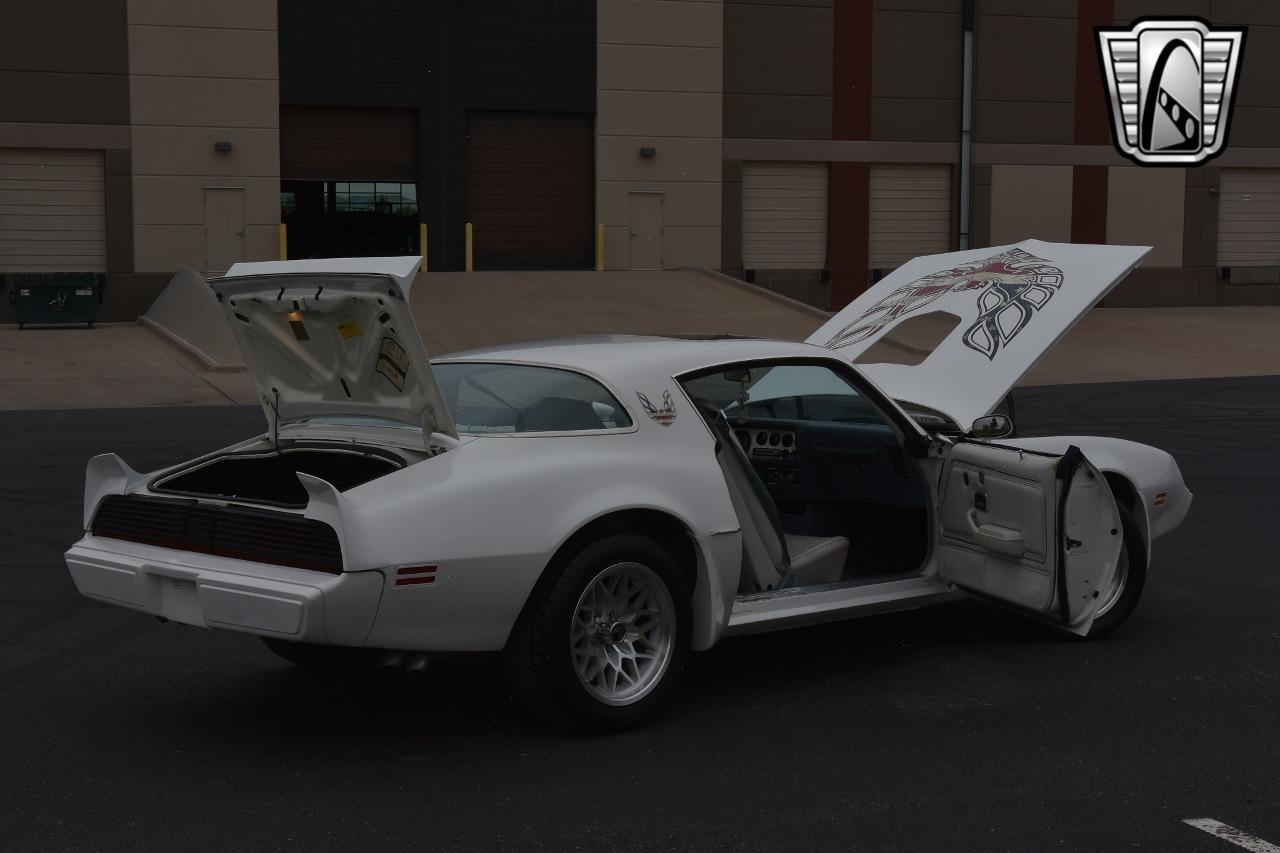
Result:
x=469 y=246
x=599 y=247
x=422 y=245
x=284 y=242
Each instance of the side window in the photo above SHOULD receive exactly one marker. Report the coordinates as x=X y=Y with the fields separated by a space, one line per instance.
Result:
x=795 y=392
x=496 y=398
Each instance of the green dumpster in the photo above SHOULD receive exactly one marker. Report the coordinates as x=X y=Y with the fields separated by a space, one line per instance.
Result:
x=55 y=298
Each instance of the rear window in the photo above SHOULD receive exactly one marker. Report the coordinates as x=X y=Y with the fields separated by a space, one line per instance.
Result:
x=510 y=398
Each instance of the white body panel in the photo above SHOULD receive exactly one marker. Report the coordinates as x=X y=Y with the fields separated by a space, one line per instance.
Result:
x=491 y=512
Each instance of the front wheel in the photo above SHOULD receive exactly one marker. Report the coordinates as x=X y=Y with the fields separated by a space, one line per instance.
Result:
x=1121 y=597
x=605 y=635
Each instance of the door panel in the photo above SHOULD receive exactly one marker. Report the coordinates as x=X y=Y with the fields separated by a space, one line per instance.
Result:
x=223 y=228
x=646 y=231
x=997 y=517
x=1037 y=532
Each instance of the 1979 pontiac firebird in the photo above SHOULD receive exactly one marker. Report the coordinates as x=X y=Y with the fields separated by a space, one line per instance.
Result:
x=600 y=507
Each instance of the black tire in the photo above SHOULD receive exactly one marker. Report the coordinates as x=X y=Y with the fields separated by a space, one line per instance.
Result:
x=1135 y=550
x=315 y=656
x=540 y=670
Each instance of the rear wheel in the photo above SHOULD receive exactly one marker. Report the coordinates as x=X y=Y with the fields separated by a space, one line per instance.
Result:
x=605 y=635
x=1121 y=597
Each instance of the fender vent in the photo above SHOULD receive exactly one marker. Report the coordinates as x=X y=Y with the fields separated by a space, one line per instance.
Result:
x=241 y=533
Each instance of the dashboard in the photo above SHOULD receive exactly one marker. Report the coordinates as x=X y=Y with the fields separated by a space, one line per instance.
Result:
x=808 y=462
x=766 y=442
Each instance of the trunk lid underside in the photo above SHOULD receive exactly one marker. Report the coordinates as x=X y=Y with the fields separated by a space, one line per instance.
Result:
x=334 y=338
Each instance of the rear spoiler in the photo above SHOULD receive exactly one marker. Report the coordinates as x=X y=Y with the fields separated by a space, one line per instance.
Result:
x=106 y=474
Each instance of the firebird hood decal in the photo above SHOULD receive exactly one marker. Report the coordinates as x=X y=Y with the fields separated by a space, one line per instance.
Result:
x=1014 y=303
x=334 y=338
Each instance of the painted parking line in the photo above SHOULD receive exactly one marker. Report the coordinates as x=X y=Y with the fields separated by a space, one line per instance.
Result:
x=1230 y=833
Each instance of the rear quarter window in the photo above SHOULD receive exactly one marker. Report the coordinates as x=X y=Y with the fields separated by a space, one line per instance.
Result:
x=487 y=397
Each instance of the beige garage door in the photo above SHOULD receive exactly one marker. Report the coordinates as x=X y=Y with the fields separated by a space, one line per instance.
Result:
x=910 y=213
x=1249 y=218
x=784 y=216
x=52 y=211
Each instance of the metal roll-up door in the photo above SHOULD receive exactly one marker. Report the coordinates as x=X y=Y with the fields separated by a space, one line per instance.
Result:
x=52 y=211
x=910 y=213
x=784 y=216
x=531 y=190
x=348 y=144
x=1249 y=218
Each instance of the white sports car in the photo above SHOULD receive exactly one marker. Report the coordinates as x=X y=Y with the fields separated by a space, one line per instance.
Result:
x=600 y=507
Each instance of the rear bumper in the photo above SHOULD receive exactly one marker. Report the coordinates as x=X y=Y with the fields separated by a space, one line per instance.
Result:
x=236 y=595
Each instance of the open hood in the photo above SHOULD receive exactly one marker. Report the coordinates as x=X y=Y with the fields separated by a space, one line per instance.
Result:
x=955 y=332
x=333 y=337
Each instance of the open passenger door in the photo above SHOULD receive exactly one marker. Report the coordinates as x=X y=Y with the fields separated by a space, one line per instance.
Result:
x=1038 y=533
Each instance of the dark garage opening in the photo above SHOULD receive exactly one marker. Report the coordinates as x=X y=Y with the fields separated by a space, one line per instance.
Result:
x=349 y=181
x=531 y=190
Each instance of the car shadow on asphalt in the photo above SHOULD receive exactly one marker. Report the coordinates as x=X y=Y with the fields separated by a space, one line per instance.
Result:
x=464 y=696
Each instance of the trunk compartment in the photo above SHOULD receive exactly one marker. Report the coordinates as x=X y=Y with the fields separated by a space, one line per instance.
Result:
x=270 y=476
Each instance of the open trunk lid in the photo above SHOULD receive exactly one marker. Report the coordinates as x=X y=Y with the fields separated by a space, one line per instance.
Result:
x=334 y=337
x=997 y=311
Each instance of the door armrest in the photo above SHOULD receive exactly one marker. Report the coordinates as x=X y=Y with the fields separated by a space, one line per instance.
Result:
x=1004 y=541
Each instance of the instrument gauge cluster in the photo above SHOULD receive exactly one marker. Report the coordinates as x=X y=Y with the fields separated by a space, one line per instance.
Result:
x=767 y=442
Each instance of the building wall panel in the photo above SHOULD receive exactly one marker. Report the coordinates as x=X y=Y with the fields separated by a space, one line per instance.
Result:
x=1030 y=201
x=778 y=70
x=654 y=65
x=1024 y=74
x=916 y=71
x=198 y=76
x=1145 y=208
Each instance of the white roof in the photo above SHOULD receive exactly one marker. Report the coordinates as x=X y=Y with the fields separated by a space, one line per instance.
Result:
x=629 y=359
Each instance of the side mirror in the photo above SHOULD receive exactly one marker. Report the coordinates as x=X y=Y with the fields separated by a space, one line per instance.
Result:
x=992 y=426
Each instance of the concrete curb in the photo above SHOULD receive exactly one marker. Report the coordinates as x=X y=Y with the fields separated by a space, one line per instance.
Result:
x=190 y=349
x=765 y=292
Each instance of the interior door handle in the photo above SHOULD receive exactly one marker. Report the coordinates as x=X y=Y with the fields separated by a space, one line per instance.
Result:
x=1004 y=541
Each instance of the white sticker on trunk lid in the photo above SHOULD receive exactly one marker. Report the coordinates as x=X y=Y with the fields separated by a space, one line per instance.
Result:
x=393 y=362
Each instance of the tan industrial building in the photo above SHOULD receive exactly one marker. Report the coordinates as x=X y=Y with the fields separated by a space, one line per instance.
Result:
x=808 y=145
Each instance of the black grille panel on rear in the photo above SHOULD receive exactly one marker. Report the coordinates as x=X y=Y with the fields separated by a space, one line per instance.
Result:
x=264 y=536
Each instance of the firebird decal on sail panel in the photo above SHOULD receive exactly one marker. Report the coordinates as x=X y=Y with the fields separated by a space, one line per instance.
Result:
x=1012 y=286
x=666 y=414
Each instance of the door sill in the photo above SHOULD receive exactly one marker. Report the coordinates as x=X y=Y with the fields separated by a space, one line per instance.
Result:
x=808 y=605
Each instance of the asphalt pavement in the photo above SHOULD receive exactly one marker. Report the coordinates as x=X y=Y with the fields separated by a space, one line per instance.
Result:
x=954 y=728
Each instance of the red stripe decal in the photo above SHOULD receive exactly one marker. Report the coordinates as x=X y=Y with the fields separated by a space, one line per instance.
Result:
x=415 y=570
x=417 y=580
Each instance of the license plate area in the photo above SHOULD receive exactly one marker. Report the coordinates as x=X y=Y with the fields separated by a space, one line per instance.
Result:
x=179 y=600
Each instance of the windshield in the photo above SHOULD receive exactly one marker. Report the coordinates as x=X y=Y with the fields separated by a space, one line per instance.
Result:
x=791 y=392
x=513 y=398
